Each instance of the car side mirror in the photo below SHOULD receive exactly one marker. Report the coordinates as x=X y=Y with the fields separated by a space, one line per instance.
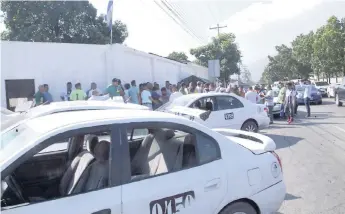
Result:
x=204 y=116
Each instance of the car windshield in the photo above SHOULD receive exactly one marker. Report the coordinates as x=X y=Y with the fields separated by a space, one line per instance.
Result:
x=180 y=101
x=321 y=83
x=18 y=137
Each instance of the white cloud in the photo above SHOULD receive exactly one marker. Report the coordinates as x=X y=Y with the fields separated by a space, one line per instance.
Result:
x=259 y=14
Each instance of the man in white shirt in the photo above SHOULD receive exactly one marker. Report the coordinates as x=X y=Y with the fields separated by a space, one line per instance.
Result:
x=307 y=96
x=252 y=95
x=92 y=89
x=175 y=93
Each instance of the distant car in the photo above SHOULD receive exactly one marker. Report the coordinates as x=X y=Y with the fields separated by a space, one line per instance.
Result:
x=220 y=110
x=331 y=89
x=316 y=97
x=340 y=94
x=322 y=87
x=136 y=162
x=277 y=106
x=56 y=107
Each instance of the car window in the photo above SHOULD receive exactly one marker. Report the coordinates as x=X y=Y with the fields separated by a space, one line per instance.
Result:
x=205 y=103
x=168 y=149
x=133 y=134
x=228 y=102
x=321 y=83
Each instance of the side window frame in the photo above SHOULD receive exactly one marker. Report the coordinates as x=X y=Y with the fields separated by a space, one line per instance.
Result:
x=126 y=162
x=219 y=97
x=215 y=105
x=114 y=156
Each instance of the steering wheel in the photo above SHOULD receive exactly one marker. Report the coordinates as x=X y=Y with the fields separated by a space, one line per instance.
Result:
x=14 y=186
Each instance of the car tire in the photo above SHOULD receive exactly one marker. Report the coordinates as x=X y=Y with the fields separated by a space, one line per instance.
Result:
x=337 y=102
x=250 y=126
x=320 y=102
x=239 y=207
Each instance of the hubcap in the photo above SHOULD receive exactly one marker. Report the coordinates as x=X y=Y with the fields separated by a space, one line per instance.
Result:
x=250 y=128
x=239 y=213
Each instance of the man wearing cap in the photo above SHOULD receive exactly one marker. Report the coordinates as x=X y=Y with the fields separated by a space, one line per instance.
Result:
x=114 y=90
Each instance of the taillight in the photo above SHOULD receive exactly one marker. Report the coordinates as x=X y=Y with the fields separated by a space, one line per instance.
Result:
x=278 y=158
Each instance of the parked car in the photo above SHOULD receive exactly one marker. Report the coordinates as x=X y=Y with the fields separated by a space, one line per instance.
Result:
x=340 y=94
x=220 y=110
x=177 y=166
x=56 y=107
x=316 y=97
x=322 y=87
x=331 y=89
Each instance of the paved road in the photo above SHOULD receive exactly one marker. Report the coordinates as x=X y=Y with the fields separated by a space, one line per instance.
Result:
x=313 y=156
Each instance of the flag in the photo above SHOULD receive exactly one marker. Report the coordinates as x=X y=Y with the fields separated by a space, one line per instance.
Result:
x=109 y=16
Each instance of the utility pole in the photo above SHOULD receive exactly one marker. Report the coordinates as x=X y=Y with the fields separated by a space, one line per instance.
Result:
x=218 y=28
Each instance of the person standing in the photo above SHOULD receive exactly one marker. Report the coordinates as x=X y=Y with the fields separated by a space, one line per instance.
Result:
x=39 y=95
x=307 y=96
x=167 y=86
x=252 y=95
x=165 y=97
x=192 y=88
x=127 y=97
x=114 y=90
x=78 y=94
x=133 y=93
x=175 y=94
x=290 y=102
x=146 y=98
x=47 y=97
x=269 y=102
x=241 y=91
x=281 y=99
x=65 y=95
x=93 y=87
x=95 y=96
x=183 y=89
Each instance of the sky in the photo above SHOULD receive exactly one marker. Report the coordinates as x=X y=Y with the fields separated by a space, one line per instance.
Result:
x=258 y=25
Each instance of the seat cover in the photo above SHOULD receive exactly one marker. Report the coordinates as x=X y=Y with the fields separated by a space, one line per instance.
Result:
x=97 y=174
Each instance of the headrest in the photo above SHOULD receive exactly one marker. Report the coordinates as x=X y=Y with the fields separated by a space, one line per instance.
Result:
x=101 y=151
x=169 y=133
x=209 y=106
x=189 y=139
x=91 y=142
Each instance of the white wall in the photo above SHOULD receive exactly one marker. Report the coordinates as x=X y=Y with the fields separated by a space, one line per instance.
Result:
x=58 y=63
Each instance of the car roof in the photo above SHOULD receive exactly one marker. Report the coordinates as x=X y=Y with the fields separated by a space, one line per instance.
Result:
x=209 y=94
x=64 y=119
x=93 y=103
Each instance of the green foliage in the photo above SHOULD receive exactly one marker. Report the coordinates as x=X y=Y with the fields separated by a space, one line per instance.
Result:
x=223 y=48
x=58 y=21
x=178 y=56
x=320 y=53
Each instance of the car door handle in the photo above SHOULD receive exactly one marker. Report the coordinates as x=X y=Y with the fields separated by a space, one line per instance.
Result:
x=105 y=211
x=212 y=184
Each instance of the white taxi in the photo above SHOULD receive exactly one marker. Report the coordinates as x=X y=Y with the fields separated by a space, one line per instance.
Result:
x=220 y=110
x=134 y=161
x=56 y=107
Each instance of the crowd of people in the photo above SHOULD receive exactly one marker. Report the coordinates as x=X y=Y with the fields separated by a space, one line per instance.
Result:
x=153 y=96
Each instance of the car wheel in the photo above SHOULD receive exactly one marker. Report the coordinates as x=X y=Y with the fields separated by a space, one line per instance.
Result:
x=250 y=126
x=337 y=101
x=320 y=102
x=239 y=208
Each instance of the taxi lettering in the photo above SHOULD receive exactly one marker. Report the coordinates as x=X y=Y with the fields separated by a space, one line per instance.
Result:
x=173 y=204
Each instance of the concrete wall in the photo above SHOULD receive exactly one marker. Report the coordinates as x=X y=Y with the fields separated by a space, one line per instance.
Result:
x=57 y=63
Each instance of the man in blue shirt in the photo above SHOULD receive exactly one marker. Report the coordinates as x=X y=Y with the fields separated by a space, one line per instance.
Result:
x=47 y=97
x=133 y=93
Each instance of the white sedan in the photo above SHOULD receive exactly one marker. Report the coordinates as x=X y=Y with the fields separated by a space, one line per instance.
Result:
x=56 y=107
x=220 y=110
x=134 y=162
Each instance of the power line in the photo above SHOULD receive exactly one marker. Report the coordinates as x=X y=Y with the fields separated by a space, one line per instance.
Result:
x=180 y=19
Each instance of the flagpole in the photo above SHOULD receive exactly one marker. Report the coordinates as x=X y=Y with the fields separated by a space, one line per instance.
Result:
x=111 y=35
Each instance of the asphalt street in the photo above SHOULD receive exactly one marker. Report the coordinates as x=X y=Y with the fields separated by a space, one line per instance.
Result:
x=313 y=157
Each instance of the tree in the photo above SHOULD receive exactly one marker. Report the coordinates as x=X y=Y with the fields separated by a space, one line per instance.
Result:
x=58 y=21
x=246 y=76
x=223 y=48
x=178 y=56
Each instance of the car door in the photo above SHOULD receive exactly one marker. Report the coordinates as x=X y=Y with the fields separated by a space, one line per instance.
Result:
x=194 y=188
x=208 y=104
x=104 y=200
x=230 y=112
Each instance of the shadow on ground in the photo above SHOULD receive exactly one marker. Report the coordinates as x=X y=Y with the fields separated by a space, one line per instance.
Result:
x=289 y=197
x=284 y=141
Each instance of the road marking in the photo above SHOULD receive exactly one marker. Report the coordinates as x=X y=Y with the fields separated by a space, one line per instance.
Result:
x=343 y=130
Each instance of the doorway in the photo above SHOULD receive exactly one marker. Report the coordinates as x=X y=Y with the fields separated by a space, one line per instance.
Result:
x=18 y=92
